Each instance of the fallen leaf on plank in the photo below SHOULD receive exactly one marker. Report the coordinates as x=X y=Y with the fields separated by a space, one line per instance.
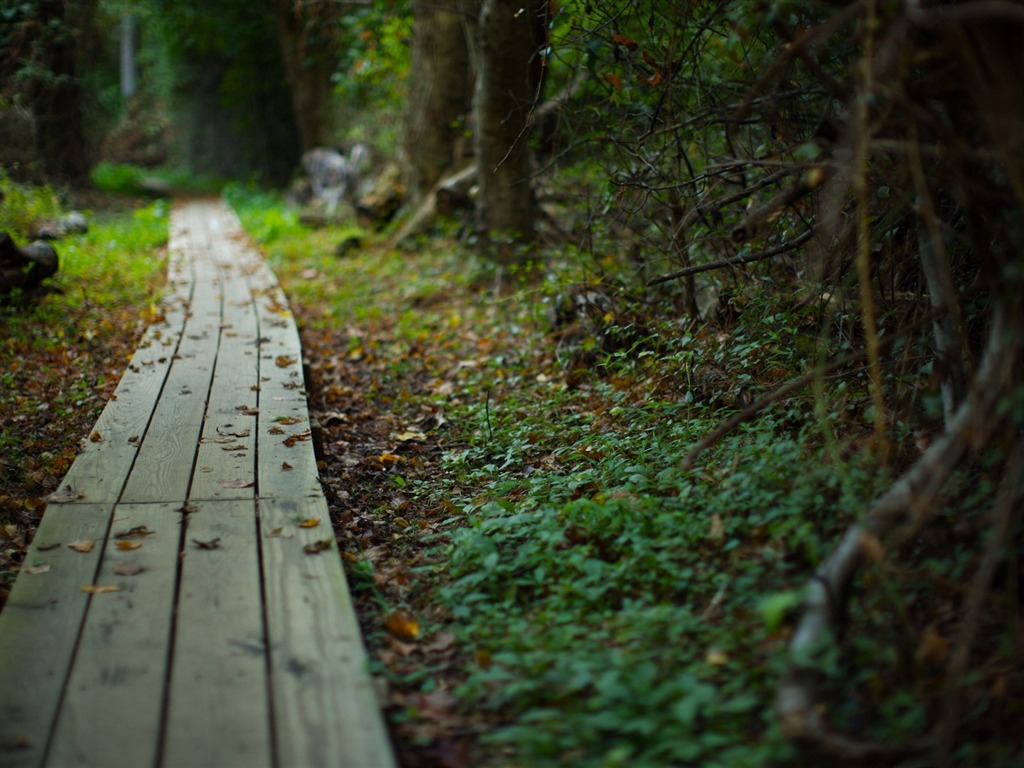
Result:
x=95 y=437
x=283 y=361
x=275 y=431
x=37 y=569
x=280 y=533
x=127 y=545
x=312 y=522
x=293 y=439
x=99 y=589
x=211 y=544
x=127 y=569
x=240 y=483
x=137 y=532
x=316 y=547
x=285 y=466
x=238 y=447
x=64 y=495
x=48 y=547
x=82 y=545
x=288 y=420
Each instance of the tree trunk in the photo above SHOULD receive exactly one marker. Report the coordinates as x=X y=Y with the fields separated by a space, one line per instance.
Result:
x=309 y=61
x=439 y=94
x=507 y=89
x=58 y=98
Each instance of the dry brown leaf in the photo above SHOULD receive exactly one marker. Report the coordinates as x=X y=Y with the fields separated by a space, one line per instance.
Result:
x=48 y=547
x=283 y=361
x=239 y=483
x=82 y=545
x=404 y=437
x=95 y=437
x=311 y=522
x=238 y=447
x=138 y=532
x=275 y=431
x=316 y=547
x=35 y=570
x=211 y=544
x=288 y=420
x=402 y=625
x=293 y=439
x=127 y=545
x=285 y=466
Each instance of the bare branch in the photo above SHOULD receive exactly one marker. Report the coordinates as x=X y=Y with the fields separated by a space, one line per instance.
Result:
x=786 y=247
x=911 y=499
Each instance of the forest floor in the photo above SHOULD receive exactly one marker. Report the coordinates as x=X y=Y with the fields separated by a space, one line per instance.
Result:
x=539 y=579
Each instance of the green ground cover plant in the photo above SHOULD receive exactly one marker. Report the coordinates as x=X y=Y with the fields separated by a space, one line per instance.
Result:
x=543 y=576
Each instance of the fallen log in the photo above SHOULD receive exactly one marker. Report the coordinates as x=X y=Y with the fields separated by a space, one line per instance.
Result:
x=26 y=267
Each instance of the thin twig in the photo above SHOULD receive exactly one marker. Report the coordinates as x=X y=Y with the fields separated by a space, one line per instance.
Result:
x=786 y=247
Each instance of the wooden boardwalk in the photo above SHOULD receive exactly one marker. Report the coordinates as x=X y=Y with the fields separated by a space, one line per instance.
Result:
x=183 y=602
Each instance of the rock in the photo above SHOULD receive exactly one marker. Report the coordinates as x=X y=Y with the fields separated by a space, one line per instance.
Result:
x=74 y=223
x=26 y=267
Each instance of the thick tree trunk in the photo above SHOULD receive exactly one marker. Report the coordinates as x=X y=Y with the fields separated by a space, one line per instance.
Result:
x=57 y=100
x=439 y=94
x=507 y=89
x=308 y=67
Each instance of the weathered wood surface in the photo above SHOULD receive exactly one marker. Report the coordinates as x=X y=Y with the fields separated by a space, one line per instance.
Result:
x=195 y=629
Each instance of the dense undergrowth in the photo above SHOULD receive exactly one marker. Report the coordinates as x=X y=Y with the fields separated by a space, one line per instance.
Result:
x=542 y=581
x=64 y=347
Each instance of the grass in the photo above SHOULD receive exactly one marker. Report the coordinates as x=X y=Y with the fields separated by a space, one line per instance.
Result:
x=142 y=182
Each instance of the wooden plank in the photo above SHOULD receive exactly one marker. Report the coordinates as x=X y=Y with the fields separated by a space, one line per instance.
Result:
x=101 y=468
x=163 y=468
x=219 y=708
x=225 y=465
x=325 y=707
x=39 y=628
x=111 y=713
x=287 y=465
